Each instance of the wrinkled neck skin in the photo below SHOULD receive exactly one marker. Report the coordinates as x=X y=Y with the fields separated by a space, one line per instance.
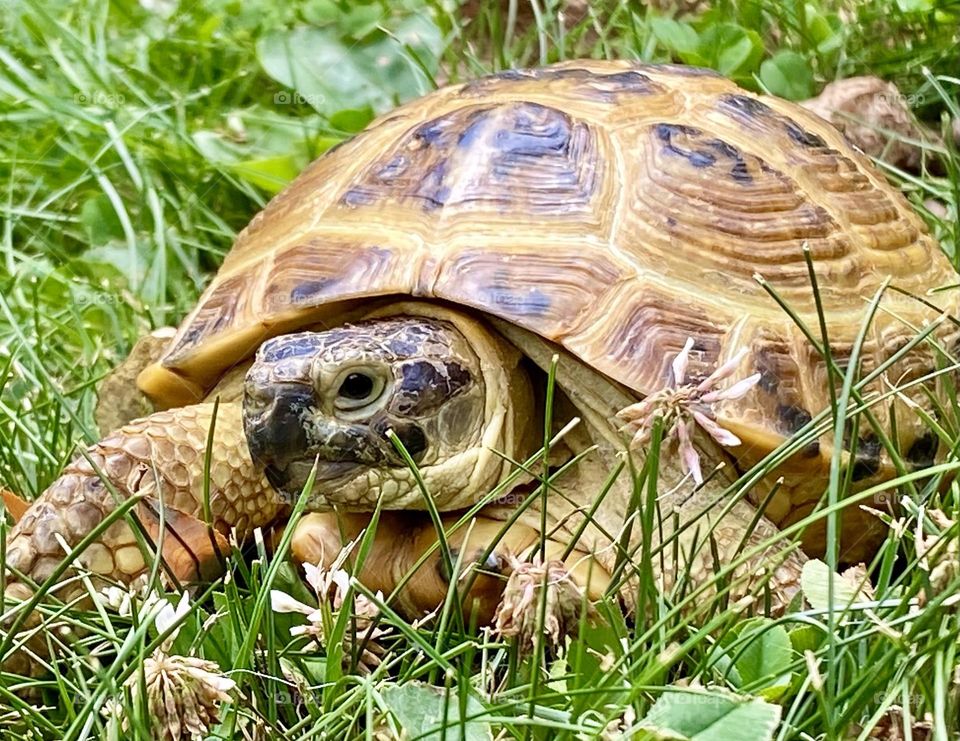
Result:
x=584 y=394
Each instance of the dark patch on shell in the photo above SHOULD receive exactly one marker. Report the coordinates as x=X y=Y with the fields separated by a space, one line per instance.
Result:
x=524 y=288
x=303 y=292
x=536 y=131
x=803 y=137
x=216 y=312
x=688 y=142
x=747 y=109
x=683 y=70
x=605 y=87
x=394 y=168
x=666 y=133
x=595 y=85
x=514 y=299
x=746 y=106
x=531 y=158
x=482 y=83
x=310 y=273
x=631 y=81
x=436 y=194
x=431 y=132
x=356 y=197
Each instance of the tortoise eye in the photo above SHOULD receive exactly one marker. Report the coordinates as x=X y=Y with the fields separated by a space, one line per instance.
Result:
x=357 y=390
x=356 y=387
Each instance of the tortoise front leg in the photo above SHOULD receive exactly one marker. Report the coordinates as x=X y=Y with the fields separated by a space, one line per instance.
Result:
x=403 y=537
x=161 y=458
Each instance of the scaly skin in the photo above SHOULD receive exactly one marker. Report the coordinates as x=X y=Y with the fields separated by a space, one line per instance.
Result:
x=161 y=456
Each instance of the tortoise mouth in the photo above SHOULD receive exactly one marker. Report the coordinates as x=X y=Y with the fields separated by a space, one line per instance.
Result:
x=290 y=479
x=290 y=439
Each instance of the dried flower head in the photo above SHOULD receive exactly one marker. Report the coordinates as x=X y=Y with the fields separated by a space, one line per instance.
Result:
x=681 y=405
x=518 y=614
x=332 y=588
x=183 y=694
x=114 y=712
x=859 y=579
x=620 y=728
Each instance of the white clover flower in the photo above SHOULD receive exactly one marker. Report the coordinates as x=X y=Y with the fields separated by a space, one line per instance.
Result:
x=167 y=616
x=122 y=600
x=681 y=405
x=183 y=694
x=331 y=585
x=115 y=598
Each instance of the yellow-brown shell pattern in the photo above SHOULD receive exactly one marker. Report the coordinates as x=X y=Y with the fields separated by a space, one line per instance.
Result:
x=614 y=208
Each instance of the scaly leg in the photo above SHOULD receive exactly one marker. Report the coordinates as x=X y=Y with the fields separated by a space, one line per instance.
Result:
x=161 y=458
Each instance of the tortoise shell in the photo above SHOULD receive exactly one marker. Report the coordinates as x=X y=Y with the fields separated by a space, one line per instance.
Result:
x=613 y=208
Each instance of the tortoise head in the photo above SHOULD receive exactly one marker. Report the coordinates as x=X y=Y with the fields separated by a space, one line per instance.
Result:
x=331 y=399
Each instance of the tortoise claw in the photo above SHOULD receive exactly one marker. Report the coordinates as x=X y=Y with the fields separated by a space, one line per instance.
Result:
x=494 y=563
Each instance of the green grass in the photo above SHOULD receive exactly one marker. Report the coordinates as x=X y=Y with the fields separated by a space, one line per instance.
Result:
x=136 y=144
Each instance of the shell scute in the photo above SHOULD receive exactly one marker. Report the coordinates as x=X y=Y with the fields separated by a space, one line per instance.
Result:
x=576 y=80
x=321 y=270
x=508 y=157
x=544 y=290
x=640 y=331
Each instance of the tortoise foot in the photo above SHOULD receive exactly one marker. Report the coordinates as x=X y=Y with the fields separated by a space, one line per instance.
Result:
x=405 y=562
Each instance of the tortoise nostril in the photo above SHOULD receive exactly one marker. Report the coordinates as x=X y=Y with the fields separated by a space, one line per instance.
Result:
x=410 y=435
x=274 y=422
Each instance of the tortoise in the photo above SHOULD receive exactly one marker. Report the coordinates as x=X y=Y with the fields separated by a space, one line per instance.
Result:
x=628 y=230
